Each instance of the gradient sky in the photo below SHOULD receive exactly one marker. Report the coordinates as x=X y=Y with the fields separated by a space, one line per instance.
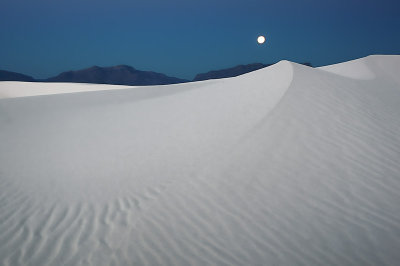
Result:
x=182 y=38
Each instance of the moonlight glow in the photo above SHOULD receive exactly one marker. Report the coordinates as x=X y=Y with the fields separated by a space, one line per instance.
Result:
x=261 y=39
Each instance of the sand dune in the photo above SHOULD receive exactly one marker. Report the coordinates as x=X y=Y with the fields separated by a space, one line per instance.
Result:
x=13 y=89
x=287 y=165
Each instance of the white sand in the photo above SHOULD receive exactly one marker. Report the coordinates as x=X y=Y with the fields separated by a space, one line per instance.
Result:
x=13 y=89
x=287 y=165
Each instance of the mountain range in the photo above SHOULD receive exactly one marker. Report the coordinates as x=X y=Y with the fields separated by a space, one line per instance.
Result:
x=13 y=76
x=119 y=75
x=233 y=71
x=229 y=72
x=127 y=75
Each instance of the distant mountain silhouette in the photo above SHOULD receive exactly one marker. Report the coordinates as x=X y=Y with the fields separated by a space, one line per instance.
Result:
x=229 y=72
x=233 y=71
x=13 y=76
x=127 y=75
x=119 y=75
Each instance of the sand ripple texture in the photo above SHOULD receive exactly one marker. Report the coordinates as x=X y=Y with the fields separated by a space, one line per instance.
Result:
x=287 y=165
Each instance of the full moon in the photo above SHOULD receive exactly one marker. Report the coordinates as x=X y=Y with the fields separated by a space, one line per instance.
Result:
x=261 y=39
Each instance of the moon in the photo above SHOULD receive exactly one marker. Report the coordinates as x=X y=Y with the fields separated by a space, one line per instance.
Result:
x=261 y=39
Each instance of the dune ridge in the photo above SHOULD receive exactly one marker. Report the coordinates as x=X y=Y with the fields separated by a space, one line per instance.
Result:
x=287 y=165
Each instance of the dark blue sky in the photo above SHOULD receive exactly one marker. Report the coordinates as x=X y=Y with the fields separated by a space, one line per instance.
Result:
x=182 y=38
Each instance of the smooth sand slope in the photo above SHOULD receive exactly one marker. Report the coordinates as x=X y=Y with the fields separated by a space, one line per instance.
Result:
x=287 y=165
x=13 y=89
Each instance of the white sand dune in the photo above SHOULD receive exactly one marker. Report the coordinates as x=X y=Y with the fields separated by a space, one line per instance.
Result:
x=287 y=165
x=13 y=89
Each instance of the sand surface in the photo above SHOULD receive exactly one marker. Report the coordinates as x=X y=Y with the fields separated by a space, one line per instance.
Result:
x=287 y=165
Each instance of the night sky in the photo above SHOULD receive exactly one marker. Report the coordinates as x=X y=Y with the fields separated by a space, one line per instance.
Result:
x=182 y=38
